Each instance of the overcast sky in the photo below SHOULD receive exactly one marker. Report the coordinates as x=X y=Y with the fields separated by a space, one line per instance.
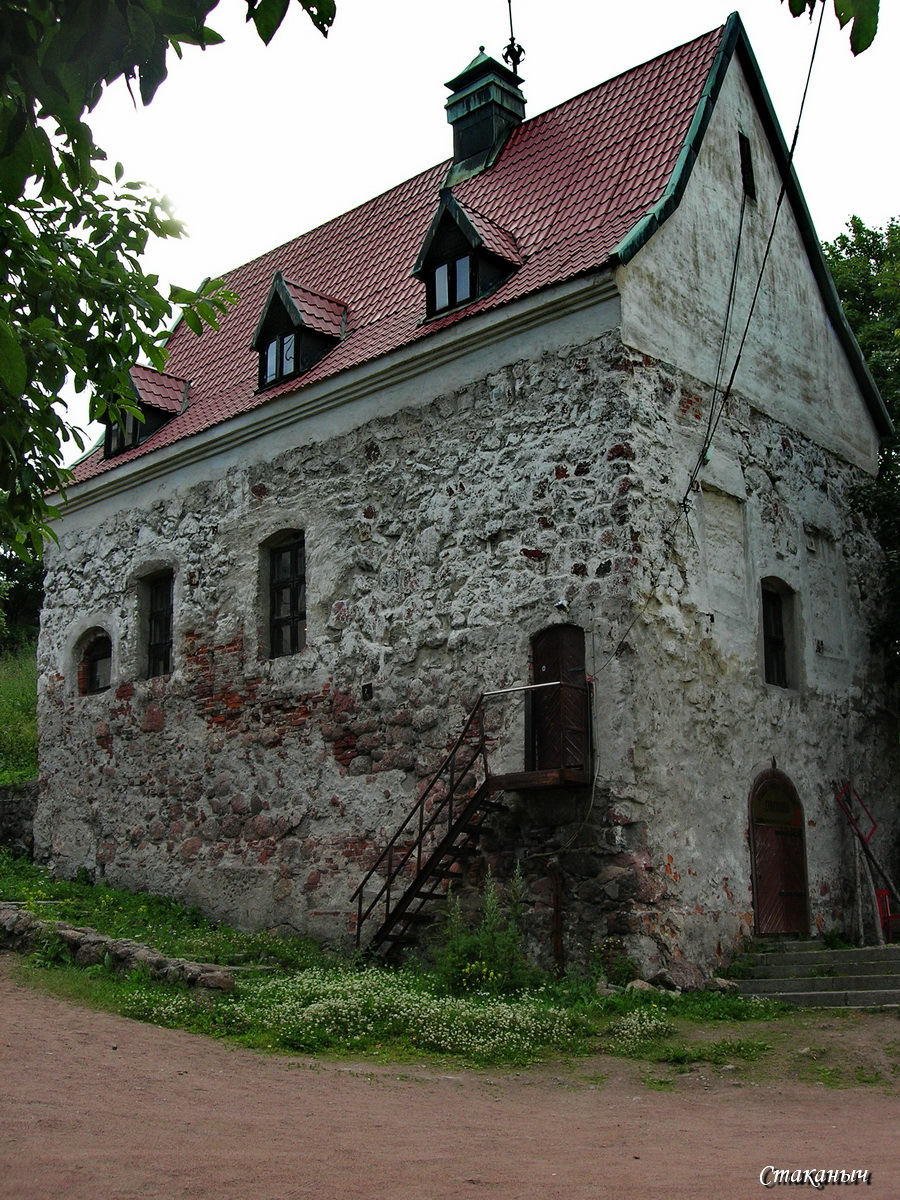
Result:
x=257 y=144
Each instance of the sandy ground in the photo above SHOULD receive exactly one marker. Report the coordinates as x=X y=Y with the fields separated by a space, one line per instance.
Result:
x=96 y=1107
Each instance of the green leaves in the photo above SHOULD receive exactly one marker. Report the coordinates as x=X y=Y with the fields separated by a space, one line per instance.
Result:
x=204 y=306
x=865 y=265
x=13 y=369
x=75 y=303
x=267 y=16
x=862 y=13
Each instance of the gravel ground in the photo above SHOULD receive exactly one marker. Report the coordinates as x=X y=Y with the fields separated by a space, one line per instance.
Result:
x=97 y=1107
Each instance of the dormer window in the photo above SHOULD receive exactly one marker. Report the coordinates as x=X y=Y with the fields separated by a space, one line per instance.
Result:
x=454 y=283
x=120 y=438
x=132 y=431
x=296 y=329
x=277 y=360
x=464 y=257
x=158 y=398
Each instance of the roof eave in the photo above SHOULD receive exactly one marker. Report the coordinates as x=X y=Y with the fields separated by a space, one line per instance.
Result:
x=641 y=233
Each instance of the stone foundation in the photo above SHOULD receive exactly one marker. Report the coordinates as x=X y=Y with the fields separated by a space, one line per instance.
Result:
x=18 y=803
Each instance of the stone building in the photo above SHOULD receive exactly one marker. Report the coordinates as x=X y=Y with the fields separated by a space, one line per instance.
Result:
x=473 y=437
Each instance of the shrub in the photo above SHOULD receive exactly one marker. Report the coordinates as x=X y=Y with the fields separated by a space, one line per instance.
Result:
x=18 y=718
x=611 y=960
x=487 y=956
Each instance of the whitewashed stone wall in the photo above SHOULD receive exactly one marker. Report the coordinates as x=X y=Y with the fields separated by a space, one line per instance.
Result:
x=439 y=540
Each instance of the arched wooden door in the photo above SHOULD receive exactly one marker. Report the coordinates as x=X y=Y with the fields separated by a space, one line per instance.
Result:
x=559 y=735
x=780 y=894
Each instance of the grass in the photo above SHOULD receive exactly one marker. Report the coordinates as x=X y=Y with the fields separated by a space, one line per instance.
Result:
x=18 y=721
x=173 y=929
x=306 y=1001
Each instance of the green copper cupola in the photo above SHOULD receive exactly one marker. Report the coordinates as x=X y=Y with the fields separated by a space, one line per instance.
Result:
x=485 y=104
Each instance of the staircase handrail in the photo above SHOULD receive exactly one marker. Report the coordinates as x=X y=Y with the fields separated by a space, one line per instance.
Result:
x=418 y=810
x=416 y=814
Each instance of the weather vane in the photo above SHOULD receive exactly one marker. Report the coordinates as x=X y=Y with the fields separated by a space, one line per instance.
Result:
x=513 y=54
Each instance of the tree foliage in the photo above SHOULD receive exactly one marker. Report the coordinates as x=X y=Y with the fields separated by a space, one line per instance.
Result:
x=865 y=265
x=21 y=596
x=861 y=15
x=74 y=299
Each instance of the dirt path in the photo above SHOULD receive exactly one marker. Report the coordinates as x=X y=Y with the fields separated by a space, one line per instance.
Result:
x=96 y=1107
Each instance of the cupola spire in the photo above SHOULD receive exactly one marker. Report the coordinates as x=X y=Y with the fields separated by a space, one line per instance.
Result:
x=513 y=54
x=485 y=104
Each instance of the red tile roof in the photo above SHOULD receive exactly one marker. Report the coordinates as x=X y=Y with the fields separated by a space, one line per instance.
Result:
x=500 y=241
x=567 y=187
x=317 y=312
x=160 y=390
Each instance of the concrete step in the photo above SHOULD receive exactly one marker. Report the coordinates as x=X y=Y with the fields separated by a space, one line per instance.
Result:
x=839 y=962
x=808 y=973
x=887 y=998
x=842 y=983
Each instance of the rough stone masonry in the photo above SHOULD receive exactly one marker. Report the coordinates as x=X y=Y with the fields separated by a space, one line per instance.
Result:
x=439 y=540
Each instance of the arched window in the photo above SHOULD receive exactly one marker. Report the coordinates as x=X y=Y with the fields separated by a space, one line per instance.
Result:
x=95 y=667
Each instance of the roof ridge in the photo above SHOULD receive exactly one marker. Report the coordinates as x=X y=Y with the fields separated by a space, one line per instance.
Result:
x=441 y=167
x=139 y=366
x=569 y=184
x=719 y=29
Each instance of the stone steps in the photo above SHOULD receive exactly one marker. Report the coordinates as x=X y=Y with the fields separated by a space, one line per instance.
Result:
x=808 y=973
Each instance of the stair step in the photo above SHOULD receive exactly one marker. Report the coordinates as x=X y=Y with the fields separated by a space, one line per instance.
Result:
x=837 y=983
x=819 y=955
x=825 y=968
x=808 y=973
x=393 y=940
x=886 y=998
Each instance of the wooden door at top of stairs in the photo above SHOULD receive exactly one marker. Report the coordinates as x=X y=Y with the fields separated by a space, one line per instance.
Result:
x=780 y=893
x=560 y=717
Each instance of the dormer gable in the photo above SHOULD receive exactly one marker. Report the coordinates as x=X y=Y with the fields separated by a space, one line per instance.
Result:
x=465 y=256
x=296 y=329
x=158 y=397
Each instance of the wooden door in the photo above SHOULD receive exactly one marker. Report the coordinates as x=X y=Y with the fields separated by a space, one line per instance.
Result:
x=560 y=716
x=780 y=897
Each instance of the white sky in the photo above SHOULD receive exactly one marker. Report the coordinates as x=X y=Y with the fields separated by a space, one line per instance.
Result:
x=257 y=144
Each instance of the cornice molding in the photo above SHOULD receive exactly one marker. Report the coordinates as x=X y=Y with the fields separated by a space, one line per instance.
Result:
x=412 y=361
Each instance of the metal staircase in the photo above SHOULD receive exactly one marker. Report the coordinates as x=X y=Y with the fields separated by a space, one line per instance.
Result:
x=439 y=833
x=441 y=830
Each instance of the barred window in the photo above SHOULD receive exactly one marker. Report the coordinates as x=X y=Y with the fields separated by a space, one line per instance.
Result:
x=160 y=606
x=287 y=596
x=779 y=639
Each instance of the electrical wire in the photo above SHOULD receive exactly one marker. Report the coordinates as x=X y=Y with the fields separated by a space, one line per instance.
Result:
x=717 y=411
